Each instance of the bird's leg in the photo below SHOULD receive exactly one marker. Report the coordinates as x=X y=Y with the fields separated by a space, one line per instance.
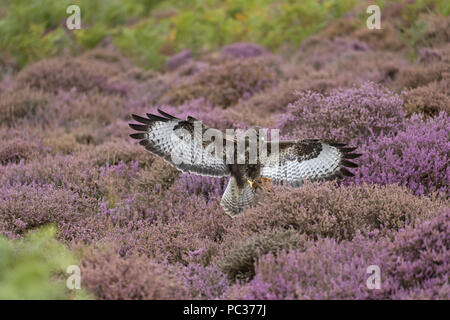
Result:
x=261 y=183
x=267 y=183
x=250 y=183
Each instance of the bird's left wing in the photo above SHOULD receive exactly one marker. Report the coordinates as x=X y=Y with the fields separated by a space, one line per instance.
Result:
x=311 y=160
x=181 y=143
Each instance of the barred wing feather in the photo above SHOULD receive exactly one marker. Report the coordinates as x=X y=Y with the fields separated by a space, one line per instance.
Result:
x=312 y=160
x=182 y=148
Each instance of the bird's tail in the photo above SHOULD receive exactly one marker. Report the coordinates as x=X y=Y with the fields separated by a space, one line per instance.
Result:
x=236 y=199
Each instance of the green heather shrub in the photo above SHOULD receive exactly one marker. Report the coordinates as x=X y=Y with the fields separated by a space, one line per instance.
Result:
x=33 y=30
x=90 y=38
x=30 y=30
x=213 y=24
x=144 y=42
x=149 y=31
x=35 y=267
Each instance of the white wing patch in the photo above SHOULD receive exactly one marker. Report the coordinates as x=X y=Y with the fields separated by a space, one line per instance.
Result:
x=178 y=147
x=295 y=171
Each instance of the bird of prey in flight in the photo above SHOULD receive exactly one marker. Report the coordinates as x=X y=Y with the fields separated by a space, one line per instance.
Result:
x=182 y=143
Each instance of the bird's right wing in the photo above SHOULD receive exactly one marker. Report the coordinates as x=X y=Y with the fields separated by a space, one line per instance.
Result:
x=181 y=143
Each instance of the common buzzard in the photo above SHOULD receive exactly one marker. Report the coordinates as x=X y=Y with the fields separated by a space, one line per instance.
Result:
x=181 y=143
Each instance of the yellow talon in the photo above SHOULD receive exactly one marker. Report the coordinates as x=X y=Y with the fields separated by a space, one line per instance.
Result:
x=266 y=180
x=250 y=183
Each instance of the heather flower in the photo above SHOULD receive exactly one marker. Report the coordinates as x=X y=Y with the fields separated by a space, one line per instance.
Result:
x=355 y=114
x=242 y=50
x=209 y=187
x=319 y=52
x=416 y=157
x=66 y=73
x=325 y=270
x=428 y=55
x=108 y=275
x=178 y=60
x=156 y=174
x=25 y=207
x=181 y=224
x=22 y=103
x=328 y=210
x=73 y=173
x=62 y=143
x=204 y=282
x=413 y=264
x=189 y=69
x=70 y=108
x=420 y=260
x=271 y=101
x=356 y=67
x=17 y=145
x=223 y=85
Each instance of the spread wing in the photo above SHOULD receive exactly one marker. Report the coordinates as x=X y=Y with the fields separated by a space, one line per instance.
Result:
x=180 y=143
x=312 y=160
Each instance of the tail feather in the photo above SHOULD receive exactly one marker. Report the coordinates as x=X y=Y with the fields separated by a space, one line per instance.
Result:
x=236 y=199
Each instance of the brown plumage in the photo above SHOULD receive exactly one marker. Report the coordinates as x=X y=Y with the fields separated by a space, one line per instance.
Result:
x=180 y=143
